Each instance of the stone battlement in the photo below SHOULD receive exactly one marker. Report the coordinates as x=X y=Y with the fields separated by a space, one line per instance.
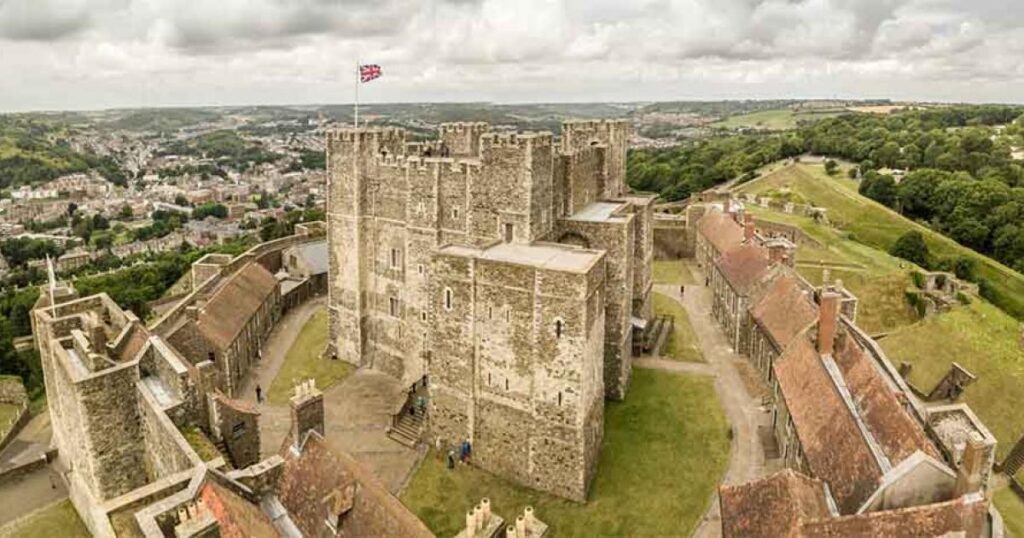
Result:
x=595 y=124
x=352 y=134
x=421 y=163
x=516 y=140
x=464 y=126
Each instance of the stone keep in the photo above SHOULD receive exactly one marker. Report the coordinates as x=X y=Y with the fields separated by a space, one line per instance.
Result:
x=516 y=201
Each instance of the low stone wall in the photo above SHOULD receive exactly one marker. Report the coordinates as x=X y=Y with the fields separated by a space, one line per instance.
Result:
x=778 y=229
x=671 y=240
x=12 y=391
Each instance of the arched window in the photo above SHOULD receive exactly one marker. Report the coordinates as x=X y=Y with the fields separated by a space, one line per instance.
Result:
x=448 y=298
x=559 y=328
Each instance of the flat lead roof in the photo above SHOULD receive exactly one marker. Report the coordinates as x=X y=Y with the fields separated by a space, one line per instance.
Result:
x=553 y=257
x=597 y=211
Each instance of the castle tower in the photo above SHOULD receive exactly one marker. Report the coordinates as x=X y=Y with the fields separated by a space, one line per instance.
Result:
x=517 y=187
x=462 y=139
x=350 y=157
x=614 y=134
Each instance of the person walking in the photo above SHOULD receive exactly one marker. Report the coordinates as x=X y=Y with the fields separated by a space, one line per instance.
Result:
x=451 y=459
x=259 y=394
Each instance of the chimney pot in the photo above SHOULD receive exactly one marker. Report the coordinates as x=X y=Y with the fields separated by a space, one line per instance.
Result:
x=969 y=474
x=828 y=317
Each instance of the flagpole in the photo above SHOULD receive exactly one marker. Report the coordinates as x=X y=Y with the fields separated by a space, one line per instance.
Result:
x=357 y=94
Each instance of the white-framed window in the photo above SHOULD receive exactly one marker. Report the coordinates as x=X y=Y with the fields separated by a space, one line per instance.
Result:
x=393 y=306
x=449 y=298
x=396 y=258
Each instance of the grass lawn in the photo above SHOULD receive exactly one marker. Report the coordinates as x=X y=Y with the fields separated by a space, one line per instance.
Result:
x=682 y=343
x=665 y=449
x=672 y=272
x=202 y=444
x=58 y=519
x=983 y=339
x=303 y=361
x=7 y=414
x=878 y=226
x=780 y=119
x=876 y=278
x=1012 y=510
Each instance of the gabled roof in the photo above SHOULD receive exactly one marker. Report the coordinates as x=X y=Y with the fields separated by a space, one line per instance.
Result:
x=743 y=265
x=318 y=478
x=963 y=516
x=234 y=303
x=897 y=433
x=830 y=434
x=721 y=230
x=772 y=506
x=783 y=310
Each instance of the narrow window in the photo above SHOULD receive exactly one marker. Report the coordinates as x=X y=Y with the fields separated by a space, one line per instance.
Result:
x=559 y=327
x=448 y=299
x=509 y=228
x=559 y=398
x=423 y=316
x=393 y=306
x=396 y=258
x=506 y=383
x=508 y=315
x=488 y=380
x=419 y=268
x=455 y=212
x=490 y=312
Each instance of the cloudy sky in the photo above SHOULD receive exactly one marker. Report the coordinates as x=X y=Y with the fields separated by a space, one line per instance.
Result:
x=84 y=54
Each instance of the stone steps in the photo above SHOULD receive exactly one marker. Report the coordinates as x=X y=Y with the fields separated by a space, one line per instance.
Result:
x=407 y=431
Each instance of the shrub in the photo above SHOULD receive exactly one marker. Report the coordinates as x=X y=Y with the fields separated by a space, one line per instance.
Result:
x=918 y=278
x=911 y=247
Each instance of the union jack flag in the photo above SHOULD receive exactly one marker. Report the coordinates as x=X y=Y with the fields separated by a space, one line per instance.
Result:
x=369 y=72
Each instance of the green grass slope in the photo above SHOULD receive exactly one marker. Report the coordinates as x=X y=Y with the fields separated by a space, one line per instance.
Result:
x=878 y=226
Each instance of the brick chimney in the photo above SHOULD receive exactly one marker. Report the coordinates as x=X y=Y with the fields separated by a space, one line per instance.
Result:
x=196 y=521
x=748 y=228
x=307 y=411
x=828 y=318
x=972 y=463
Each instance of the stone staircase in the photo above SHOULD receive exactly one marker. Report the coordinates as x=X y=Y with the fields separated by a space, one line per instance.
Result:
x=222 y=447
x=407 y=430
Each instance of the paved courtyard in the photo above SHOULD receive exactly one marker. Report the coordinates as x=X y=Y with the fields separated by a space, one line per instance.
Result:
x=357 y=410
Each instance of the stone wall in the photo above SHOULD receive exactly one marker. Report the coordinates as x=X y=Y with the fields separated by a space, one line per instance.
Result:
x=12 y=391
x=670 y=238
x=166 y=452
x=237 y=424
x=518 y=369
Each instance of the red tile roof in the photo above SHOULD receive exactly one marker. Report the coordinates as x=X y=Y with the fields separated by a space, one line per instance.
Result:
x=783 y=310
x=792 y=505
x=237 y=517
x=743 y=265
x=321 y=477
x=773 y=506
x=721 y=230
x=959 y=517
x=234 y=303
x=830 y=437
x=898 y=434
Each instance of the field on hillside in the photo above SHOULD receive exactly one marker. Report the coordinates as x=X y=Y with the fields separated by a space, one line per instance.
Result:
x=773 y=120
x=877 y=226
x=876 y=278
x=982 y=339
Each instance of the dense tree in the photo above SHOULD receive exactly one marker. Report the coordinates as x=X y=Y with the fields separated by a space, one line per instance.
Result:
x=879 y=187
x=911 y=247
x=210 y=210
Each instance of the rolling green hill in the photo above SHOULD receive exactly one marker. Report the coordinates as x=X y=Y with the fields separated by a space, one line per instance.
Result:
x=877 y=226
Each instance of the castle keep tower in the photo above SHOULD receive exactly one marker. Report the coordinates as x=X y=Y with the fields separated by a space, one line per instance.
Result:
x=451 y=259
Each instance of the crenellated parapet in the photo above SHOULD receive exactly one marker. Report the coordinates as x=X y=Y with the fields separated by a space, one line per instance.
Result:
x=515 y=140
x=462 y=138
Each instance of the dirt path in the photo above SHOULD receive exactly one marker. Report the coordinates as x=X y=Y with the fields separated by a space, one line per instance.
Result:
x=281 y=338
x=743 y=412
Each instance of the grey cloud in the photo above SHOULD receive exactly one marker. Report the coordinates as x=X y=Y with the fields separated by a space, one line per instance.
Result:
x=42 y=20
